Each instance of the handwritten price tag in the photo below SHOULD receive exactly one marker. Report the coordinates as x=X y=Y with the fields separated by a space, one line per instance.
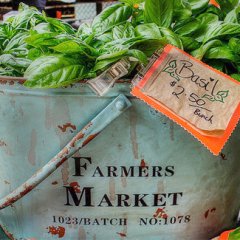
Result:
x=201 y=99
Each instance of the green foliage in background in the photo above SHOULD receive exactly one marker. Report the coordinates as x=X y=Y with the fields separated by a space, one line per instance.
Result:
x=51 y=54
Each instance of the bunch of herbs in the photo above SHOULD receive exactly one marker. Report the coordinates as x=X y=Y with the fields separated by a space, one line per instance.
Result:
x=51 y=54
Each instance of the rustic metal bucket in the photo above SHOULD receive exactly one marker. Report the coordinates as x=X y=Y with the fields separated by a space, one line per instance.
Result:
x=142 y=178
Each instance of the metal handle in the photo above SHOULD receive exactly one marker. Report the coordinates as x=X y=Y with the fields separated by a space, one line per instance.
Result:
x=88 y=133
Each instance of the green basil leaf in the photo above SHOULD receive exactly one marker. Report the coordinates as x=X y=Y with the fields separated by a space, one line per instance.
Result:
x=119 y=44
x=112 y=55
x=198 y=6
x=207 y=18
x=17 y=42
x=200 y=52
x=235 y=76
x=215 y=10
x=182 y=10
x=138 y=55
x=235 y=235
x=34 y=53
x=54 y=71
x=221 y=52
x=60 y=26
x=234 y=44
x=42 y=39
x=8 y=71
x=233 y=16
x=7 y=32
x=105 y=63
x=138 y=16
x=26 y=17
x=106 y=60
x=123 y=31
x=71 y=46
x=18 y=64
x=171 y=37
x=219 y=65
x=159 y=12
x=105 y=37
x=206 y=21
x=111 y=17
x=148 y=30
x=149 y=46
x=220 y=31
x=84 y=31
x=43 y=28
x=189 y=43
x=186 y=27
x=227 y=6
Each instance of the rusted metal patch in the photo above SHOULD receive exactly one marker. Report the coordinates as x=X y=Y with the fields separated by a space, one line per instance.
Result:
x=133 y=133
x=8 y=234
x=209 y=211
x=160 y=213
x=2 y=144
x=76 y=187
x=12 y=200
x=11 y=80
x=223 y=156
x=89 y=139
x=57 y=231
x=54 y=182
x=143 y=163
x=67 y=126
x=121 y=234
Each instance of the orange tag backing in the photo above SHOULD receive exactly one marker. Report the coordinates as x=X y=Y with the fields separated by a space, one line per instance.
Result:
x=203 y=100
x=225 y=235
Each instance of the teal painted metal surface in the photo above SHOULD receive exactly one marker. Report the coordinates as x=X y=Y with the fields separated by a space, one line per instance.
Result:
x=142 y=178
x=80 y=140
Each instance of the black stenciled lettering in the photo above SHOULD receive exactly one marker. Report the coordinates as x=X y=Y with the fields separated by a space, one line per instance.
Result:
x=87 y=221
x=123 y=221
x=157 y=171
x=105 y=200
x=143 y=171
x=169 y=171
x=127 y=172
x=143 y=221
x=79 y=166
x=105 y=220
x=139 y=202
x=95 y=222
x=160 y=200
x=113 y=221
x=175 y=197
x=98 y=172
x=122 y=200
x=86 y=191
x=112 y=171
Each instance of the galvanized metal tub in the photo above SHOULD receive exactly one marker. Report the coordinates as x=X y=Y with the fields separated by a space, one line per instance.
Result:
x=142 y=178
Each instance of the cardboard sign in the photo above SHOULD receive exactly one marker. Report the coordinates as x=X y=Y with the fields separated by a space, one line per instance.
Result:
x=201 y=99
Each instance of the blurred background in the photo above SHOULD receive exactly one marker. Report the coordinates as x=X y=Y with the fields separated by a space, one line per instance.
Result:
x=72 y=11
